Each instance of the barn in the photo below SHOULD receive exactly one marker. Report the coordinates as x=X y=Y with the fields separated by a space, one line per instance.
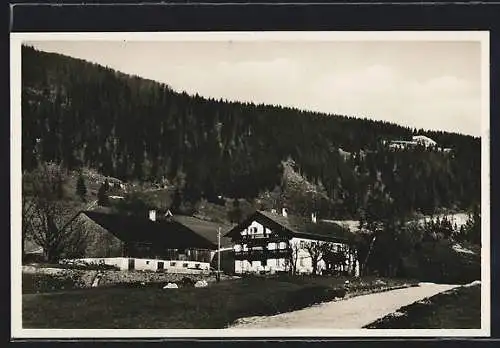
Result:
x=161 y=241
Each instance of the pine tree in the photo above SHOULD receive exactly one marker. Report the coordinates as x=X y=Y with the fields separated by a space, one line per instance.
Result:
x=81 y=188
x=102 y=195
x=176 y=202
x=236 y=213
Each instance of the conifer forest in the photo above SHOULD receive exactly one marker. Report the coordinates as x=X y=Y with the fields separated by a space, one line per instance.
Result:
x=79 y=114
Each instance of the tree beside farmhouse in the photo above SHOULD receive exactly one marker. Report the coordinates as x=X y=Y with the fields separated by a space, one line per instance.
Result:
x=46 y=210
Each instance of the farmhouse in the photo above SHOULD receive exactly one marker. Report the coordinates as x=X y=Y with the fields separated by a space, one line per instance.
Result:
x=271 y=242
x=181 y=244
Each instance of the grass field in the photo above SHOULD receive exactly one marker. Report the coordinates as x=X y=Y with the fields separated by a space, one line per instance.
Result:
x=456 y=309
x=216 y=306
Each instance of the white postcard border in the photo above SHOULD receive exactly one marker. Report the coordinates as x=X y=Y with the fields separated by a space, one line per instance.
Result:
x=16 y=40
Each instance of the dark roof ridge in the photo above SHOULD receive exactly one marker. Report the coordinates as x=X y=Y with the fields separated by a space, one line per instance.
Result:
x=119 y=223
x=298 y=226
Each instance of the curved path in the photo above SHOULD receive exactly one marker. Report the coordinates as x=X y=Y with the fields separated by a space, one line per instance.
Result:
x=352 y=313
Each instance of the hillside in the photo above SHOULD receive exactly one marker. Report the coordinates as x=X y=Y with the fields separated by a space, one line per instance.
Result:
x=84 y=115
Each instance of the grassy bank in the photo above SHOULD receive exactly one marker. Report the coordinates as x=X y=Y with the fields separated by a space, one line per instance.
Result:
x=437 y=262
x=213 y=307
x=459 y=308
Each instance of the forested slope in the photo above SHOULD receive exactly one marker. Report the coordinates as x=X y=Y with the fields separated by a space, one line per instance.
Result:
x=84 y=115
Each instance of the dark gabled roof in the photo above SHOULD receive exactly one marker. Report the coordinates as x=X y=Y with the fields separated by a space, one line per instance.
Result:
x=295 y=226
x=204 y=228
x=177 y=232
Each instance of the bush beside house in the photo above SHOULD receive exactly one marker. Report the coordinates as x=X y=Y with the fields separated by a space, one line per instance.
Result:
x=439 y=262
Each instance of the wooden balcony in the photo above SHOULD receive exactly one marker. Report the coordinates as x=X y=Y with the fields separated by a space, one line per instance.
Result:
x=264 y=238
x=258 y=254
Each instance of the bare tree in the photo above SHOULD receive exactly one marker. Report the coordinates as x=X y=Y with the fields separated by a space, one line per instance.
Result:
x=315 y=250
x=293 y=256
x=352 y=257
x=47 y=213
x=27 y=206
x=333 y=258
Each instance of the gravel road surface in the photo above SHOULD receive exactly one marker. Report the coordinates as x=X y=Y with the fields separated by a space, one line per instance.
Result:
x=352 y=313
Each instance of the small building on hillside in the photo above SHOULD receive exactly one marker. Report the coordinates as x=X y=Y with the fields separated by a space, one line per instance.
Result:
x=402 y=144
x=271 y=242
x=424 y=141
x=161 y=242
x=417 y=141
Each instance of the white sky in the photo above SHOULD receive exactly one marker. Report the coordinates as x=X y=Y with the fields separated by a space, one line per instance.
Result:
x=430 y=85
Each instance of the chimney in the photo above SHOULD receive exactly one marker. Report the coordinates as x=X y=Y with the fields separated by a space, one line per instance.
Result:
x=313 y=217
x=284 y=212
x=152 y=215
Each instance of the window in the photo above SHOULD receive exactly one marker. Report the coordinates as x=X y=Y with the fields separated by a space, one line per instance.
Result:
x=172 y=264
x=185 y=265
x=197 y=266
x=147 y=262
x=264 y=262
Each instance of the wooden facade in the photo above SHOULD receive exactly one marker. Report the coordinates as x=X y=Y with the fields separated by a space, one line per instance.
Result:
x=271 y=243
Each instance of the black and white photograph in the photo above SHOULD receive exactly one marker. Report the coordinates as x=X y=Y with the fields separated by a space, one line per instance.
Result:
x=250 y=184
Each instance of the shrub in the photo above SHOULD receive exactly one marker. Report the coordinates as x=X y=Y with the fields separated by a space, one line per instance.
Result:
x=187 y=282
x=40 y=282
x=438 y=262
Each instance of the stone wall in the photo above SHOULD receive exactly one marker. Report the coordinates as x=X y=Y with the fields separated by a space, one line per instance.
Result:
x=121 y=277
x=85 y=278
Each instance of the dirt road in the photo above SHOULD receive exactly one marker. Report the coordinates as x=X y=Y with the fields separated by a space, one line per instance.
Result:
x=353 y=313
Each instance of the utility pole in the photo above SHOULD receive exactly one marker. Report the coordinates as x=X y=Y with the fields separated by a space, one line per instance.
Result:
x=218 y=254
